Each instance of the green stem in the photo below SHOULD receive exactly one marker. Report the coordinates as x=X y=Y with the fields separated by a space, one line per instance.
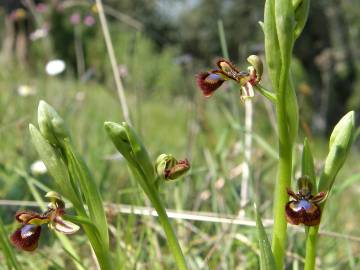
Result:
x=169 y=232
x=153 y=195
x=284 y=173
x=311 y=242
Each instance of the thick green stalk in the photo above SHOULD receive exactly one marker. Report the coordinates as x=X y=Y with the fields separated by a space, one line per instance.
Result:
x=311 y=242
x=284 y=170
x=153 y=195
x=169 y=232
x=278 y=26
x=283 y=181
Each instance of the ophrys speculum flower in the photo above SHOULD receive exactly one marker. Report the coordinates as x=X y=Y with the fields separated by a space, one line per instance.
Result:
x=27 y=236
x=304 y=209
x=210 y=81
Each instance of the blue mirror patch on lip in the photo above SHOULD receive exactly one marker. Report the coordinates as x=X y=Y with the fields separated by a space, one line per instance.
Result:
x=214 y=76
x=28 y=230
x=304 y=204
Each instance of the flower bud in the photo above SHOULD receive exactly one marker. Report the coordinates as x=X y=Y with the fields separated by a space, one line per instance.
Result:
x=340 y=142
x=118 y=135
x=168 y=168
x=51 y=125
x=130 y=146
x=257 y=64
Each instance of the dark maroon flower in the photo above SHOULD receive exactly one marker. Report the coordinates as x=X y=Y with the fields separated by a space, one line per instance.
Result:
x=304 y=209
x=27 y=236
x=210 y=81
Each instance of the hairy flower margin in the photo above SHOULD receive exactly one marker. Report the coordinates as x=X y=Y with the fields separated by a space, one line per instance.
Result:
x=210 y=81
x=304 y=209
x=27 y=236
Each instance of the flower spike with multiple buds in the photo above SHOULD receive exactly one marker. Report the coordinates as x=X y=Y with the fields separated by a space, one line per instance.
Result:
x=304 y=209
x=210 y=81
x=27 y=236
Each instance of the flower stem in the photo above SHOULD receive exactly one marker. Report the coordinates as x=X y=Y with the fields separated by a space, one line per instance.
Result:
x=169 y=232
x=153 y=195
x=311 y=242
x=284 y=173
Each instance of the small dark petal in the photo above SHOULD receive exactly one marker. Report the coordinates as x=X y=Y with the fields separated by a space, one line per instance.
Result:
x=26 y=237
x=320 y=197
x=209 y=82
x=292 y=194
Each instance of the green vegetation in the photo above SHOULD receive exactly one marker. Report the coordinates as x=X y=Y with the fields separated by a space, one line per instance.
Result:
x=170 y=115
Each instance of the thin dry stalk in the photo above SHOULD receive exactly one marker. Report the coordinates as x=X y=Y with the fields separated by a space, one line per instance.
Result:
x=114 y=65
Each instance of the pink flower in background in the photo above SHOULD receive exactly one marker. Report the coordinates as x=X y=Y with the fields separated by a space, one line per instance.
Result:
x=75 y=18
x=123 y=70
x=41 y=7
x=89 y=20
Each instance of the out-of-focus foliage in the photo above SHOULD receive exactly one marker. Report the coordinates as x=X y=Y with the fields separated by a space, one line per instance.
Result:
x=158 y=63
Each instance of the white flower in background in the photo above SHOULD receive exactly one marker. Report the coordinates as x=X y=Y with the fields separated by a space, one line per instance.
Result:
x=55 y=67
x=80 y=96
x=39 y=33
x=38 y=168
x=26 y=90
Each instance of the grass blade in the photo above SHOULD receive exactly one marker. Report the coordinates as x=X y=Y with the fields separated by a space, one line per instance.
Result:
x=267 y=261
x=11 y=261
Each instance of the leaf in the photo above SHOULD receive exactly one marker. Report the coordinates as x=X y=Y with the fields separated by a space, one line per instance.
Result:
x=79 y=171
x=267 y=261
x=292 y=111
x=8 y=251
x=307 y=164
x=271 y=43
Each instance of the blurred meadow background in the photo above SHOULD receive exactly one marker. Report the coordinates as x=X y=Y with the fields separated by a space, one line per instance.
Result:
x=160 y=46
